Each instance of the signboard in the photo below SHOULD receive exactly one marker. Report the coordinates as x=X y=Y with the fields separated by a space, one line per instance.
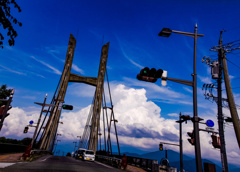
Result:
x=210 y=128
x=31 y=122
x=209 y=123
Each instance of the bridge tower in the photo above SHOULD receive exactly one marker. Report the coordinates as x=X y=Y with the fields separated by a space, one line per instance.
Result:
x=46 y=142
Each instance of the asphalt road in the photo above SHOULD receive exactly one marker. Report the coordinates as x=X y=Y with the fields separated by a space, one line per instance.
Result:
x=52 y=163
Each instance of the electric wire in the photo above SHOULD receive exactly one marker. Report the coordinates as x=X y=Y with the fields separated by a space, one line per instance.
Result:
x=233 y=63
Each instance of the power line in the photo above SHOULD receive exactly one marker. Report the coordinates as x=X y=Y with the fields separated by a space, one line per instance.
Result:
x=233 y=63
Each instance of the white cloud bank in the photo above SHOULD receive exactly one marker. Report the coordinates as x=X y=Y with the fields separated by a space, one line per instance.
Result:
x=139 y=125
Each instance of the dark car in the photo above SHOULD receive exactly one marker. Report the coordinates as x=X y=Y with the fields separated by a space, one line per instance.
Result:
x=80 y=153
x=68 y=154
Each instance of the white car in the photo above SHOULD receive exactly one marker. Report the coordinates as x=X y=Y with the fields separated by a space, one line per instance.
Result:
x=89 y=155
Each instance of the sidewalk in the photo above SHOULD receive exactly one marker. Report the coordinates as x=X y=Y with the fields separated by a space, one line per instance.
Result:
x=15 y=157
x=134 y=169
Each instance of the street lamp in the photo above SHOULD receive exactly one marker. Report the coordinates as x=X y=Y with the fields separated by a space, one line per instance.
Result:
x=74 y=146
x=166 y=32
x=79 y=140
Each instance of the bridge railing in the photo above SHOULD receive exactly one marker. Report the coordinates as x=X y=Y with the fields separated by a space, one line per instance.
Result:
x=115 y=160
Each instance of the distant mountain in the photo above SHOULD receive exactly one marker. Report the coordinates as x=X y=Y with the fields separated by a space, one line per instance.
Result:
x=171 y=156
x=132 y=154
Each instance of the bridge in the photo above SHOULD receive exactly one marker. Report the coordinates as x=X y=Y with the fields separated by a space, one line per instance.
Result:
x=44 y=141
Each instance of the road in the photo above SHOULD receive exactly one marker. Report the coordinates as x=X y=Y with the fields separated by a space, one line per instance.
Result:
x=53 y=163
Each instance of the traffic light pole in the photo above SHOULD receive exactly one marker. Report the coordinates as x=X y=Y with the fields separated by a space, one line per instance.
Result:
x=194 y=85
x=180 y=143
x=195 y=121
x=39 y=120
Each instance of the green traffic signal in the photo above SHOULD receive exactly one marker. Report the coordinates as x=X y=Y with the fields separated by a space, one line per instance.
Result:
x=150 y=75
x=67 y=107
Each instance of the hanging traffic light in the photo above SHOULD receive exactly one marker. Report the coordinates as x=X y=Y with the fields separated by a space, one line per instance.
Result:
x=160 y=146
x=25 y=130
x=149 y=75
x=216 y=141
x=191 y=140
x=67 y=107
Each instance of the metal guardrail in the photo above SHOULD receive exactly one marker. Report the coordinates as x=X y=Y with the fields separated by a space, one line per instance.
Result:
x=115 y=161
x=146 y=164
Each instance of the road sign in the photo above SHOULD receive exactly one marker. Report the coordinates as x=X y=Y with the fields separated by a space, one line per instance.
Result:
x=209 y=128
x=209 y=123
x=31 y=122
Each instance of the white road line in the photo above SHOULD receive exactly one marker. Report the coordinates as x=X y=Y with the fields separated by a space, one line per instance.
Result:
x=103 y=164
x=4 y=164
x=45 y=158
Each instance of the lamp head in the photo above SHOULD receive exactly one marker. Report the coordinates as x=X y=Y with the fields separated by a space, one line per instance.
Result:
x=165 y=32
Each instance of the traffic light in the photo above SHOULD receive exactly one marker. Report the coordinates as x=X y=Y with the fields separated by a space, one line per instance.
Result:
x=160 y=146
x=191 y=140
x=216 y=141
x=67 y=107
x=25 y=130
x=149 y=75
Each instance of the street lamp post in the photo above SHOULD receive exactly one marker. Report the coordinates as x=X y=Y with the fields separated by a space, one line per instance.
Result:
x=74 y=146
x=79 y=140
x=166 y=32
x=56 y=145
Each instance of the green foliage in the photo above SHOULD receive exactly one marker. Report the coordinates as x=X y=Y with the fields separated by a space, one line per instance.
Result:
x=4 y=93
x=26 y=141
x=7 y=20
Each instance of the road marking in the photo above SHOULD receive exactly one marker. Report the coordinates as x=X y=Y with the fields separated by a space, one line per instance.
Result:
x=4 y=164
x=103 y=164
x=45 y=158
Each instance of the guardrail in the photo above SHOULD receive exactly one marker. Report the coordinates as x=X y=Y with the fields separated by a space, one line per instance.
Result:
x=115 y=161
x=39 y=152
x=11 y=148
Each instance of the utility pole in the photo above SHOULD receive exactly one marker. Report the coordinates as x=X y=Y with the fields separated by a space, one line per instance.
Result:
x=219 y=103
x=231 y=102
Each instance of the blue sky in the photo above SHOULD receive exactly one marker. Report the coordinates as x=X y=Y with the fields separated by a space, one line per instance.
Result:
x=146 y=112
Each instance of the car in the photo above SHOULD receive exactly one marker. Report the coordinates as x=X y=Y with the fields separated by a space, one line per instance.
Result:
x=89 y=155
x=80 y=152
x=75 y=154
x=68 y=154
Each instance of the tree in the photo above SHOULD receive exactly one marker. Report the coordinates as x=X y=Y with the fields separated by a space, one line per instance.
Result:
x=7 y=20
x=4 y=93
x=26 y=141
